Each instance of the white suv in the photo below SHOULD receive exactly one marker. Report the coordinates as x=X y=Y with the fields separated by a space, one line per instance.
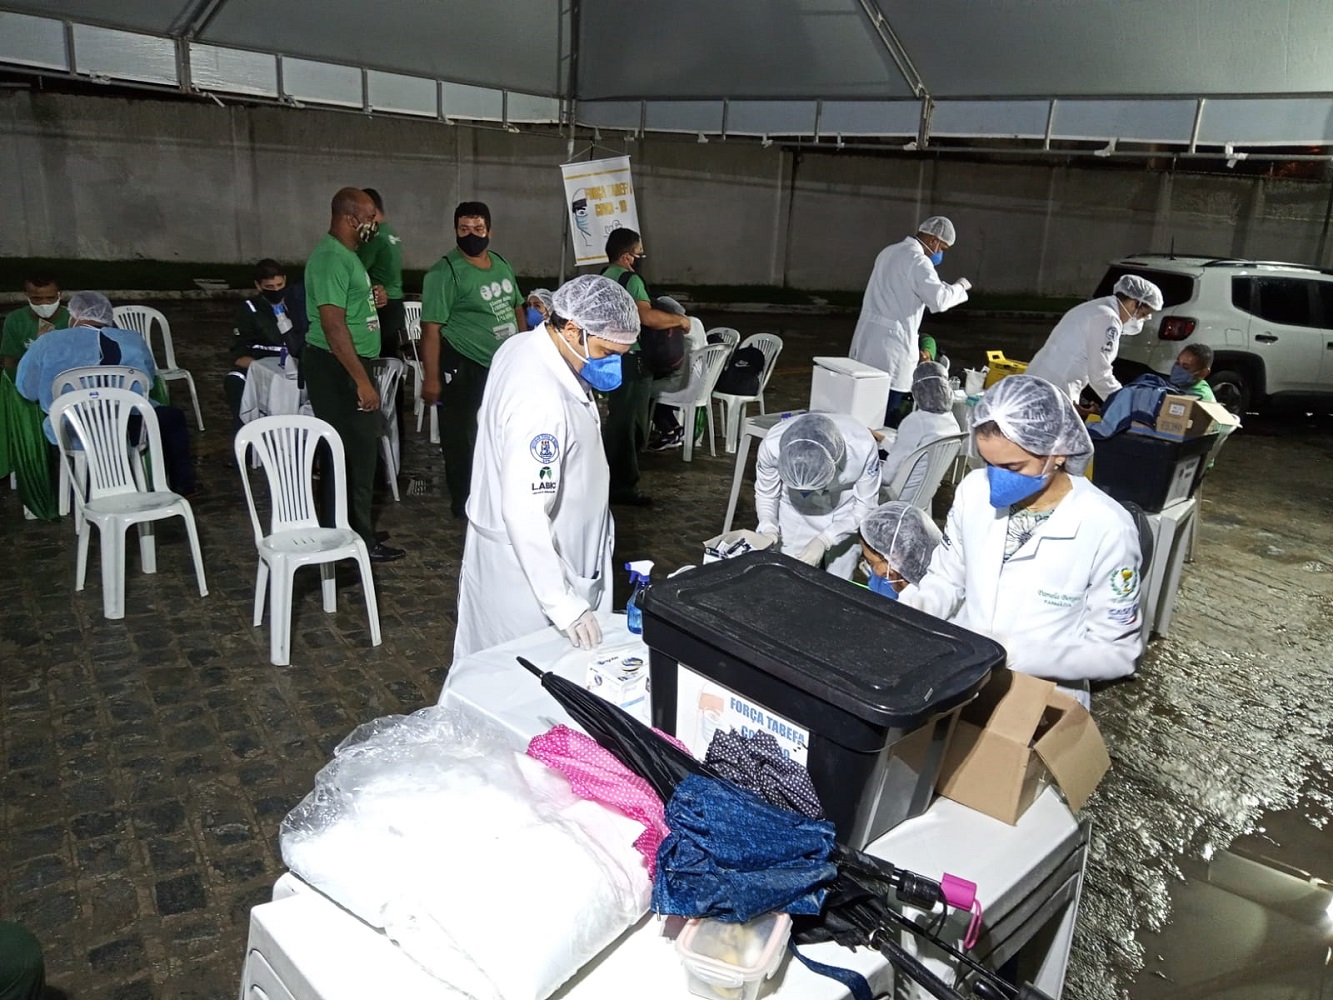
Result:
x=1270 y=327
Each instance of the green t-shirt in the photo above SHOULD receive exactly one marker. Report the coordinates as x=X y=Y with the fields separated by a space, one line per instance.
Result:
x=1203 y=390
x=383 y=259
x=334 y=277
x=23 y=326
x=474 y=306
x=638 y=291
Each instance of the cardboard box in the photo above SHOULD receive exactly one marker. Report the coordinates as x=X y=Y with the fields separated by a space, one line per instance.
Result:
x=1018 y=734
x=1184 y=417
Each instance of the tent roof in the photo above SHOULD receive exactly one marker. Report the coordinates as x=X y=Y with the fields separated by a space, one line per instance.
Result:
x=1189 y=72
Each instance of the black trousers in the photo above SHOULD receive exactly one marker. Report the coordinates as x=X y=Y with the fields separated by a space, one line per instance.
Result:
x=333 y=398
x=463 y=382
x=626 y=431
x=393 y=328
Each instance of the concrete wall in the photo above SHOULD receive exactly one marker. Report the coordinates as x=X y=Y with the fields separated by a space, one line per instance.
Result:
x=113 y=178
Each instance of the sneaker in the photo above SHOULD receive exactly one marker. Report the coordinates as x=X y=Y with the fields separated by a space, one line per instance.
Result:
x=665 y=442
x=382 y=553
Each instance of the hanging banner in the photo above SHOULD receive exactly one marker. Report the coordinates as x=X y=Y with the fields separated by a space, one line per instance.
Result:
x=600 y=196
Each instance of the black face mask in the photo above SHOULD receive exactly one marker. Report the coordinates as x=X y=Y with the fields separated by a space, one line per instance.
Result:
x=636 y=264
x=274 y=295
x=473 y=245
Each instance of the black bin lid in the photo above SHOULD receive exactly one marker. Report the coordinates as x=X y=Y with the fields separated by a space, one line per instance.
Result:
x=876 y=659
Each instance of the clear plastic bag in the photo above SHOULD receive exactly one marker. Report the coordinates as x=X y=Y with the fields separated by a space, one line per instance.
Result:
x=479 y=863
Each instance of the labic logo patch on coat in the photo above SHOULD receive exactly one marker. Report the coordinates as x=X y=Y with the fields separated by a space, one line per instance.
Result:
x=545 y=448
x=1124 y=581
x=545 y=481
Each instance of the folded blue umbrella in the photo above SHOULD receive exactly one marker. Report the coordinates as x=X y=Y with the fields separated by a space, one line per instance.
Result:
x=732 y=856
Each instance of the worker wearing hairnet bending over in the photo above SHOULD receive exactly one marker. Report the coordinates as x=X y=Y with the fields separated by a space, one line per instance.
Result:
x=931 y=419
x=816 y=478
x=540 y=533
x=1083 y=346
x=1033 y=554
x=903 y=284
x=897 y=541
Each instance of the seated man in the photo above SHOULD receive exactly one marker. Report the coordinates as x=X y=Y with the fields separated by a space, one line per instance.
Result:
x=42 y=314
x=897 y=541
x=1190 y=373
x=262 y=328
x=932 y=419
x=92 y=340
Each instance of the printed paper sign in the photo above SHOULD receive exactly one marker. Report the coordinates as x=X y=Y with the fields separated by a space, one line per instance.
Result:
x=703 y=707
x=600 y=198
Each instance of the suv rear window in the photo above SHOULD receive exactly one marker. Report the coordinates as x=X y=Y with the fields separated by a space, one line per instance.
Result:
x=1288 y=301
x=1176 y=288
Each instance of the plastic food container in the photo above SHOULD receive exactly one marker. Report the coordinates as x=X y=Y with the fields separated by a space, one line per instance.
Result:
x=728 y=961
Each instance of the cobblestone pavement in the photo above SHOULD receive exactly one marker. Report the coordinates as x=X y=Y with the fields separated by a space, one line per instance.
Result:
x=146 y=764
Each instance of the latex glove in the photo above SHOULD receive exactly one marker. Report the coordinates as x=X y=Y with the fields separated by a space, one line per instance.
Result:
x=964 y=284
x=585 y=633
x=813 y=553
x=771 y=537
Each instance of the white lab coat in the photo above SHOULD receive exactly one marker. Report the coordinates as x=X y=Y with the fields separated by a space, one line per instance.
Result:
x=1081 y=348
x=1065 y=606
x=836 y=512
x=902 y=286
x=917 y=428
x=540 y=532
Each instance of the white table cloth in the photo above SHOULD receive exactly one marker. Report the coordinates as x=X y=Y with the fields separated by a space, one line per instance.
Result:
x=271 y=390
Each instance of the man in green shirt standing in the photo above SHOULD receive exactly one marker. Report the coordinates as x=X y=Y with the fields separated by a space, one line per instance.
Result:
x=470 y=304
x=626 y=430
x=1190 y=372
x=344 y=336
x=42 y=314
x=383 y=258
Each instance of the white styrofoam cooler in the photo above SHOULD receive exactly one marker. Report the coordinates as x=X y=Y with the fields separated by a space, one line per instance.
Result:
x=841 y=385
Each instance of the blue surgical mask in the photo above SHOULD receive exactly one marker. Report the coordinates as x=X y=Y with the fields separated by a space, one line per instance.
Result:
x=1008 y=488
x=882 y=586
x=937 y=258
x=1181 y=377
x=602 y=374
x=535 y=318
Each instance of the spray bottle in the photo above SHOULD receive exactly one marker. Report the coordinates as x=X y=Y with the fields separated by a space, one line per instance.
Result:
x=640 y=573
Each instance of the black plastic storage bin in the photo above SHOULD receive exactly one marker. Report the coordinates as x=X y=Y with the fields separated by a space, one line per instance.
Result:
x=876 y=685
x=1150 y=471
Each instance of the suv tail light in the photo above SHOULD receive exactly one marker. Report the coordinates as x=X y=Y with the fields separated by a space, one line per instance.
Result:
x=1176 y=328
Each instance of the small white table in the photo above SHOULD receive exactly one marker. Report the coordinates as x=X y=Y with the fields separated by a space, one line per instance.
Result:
x=754 y=427
x=271 y=390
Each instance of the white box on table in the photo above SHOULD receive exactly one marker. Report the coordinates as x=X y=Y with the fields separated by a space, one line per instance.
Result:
x=841 y=385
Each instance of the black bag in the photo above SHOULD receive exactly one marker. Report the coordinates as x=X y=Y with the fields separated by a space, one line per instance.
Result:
x=743 y=373
x=662 y=351
x=294 y=301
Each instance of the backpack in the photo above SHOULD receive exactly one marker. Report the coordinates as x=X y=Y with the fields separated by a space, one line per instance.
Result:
x=743 y=373
x=663 y=351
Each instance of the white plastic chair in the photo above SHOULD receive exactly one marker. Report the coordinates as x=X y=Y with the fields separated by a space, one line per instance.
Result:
x=388 y=373
x=413 y=311
x=286 y=447
x=937 y=455
x=734 y=406
x=728 y=336
x=142 y=320
x=705 y=367
x=94 y=377
x=108 y=497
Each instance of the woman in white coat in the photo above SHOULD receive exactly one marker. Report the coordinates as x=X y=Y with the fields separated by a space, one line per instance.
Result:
x=816 y=478
x=931 y=420
x=540 y=533
x=903 y=284
x=1034 y=555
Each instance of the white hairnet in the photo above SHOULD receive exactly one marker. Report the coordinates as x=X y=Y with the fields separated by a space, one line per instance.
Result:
x=810 y=452
x=599 y=307
x=904 y=536
x=542 y=295
x=90 y=307
x=667 y=304
x=1140 y=289
x=930 y=388
x=938 y=226
x=1037 y=417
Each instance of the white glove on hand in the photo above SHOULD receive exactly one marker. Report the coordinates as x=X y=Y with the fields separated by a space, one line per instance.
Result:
x=964 y=284
x=585 y=633
x=771 y=537
x=813 y=553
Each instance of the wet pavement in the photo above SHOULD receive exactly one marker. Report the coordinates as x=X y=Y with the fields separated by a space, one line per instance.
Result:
x=147 y=763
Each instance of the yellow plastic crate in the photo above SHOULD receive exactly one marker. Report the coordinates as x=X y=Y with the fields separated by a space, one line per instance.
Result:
x=999 y=366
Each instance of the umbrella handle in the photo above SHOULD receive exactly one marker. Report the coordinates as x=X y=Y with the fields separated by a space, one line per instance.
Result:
x=531 y=667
